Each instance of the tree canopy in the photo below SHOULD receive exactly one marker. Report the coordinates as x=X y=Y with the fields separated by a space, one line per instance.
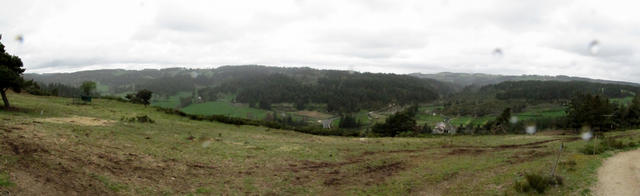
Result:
x=10 y=74
x=141 y=97
x=88 y=86
x=593 y=111
x=397 y=123
x=340 y=91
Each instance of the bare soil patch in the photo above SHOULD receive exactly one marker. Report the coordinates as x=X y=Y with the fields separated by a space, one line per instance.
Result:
x=44 y=167
x=80 y=120
x=620 y=175
x=464 y=151
x=335 y=174
x=313 y=114
x=530 y=155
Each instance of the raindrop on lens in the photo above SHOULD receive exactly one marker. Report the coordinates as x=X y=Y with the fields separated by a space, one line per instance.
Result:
x=194 y=74
x=594 y=47
x=497 y=53
x=530 y=129
x=586 y=136
x=206 y=144
x=513 y=120
x=20 y=38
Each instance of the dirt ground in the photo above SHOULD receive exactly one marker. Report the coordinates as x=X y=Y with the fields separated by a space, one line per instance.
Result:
x=620 y=175
x=80 y=120
x=50 y=166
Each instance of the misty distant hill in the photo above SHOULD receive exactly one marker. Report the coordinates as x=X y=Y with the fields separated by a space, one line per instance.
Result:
x=172 y=80
x=261 y=86
x=476 y=80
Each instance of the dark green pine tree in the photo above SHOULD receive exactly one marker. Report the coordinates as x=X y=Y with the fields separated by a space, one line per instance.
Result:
x=10 y=74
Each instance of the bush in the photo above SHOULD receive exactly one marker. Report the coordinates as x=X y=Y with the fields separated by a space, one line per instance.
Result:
x=606 y=144
x=537 y=182
x=590 y=148
x=5 y=181
x=570 y=165
x=397 y=123
x=141 y=97
x=407 y=134
x=270 y=124
x=140 y=119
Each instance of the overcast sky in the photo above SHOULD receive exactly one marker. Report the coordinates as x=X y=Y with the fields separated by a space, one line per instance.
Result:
x=599 y=39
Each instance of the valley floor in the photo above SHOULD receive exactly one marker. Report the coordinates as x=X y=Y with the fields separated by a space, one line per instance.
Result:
x=50 y=146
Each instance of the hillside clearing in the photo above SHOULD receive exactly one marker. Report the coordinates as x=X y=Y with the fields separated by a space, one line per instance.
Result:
x=80 y=120
x=179 y=156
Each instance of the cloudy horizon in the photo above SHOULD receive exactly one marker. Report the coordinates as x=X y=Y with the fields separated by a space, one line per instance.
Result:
x=593 y=39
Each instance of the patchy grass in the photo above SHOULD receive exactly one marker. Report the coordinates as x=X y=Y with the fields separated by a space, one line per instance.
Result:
x=623 y=101
x=5 y=181
x=426 y=115
x=172 y=101
x=544 y=112
x=178 y=156
x=113 y=186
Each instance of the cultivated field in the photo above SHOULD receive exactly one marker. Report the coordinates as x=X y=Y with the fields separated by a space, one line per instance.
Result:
x=50 y=146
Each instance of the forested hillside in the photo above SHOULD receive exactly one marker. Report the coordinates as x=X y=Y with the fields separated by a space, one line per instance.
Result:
x=518 y=95
x=341 y=91
x=556 y=90
x=172 y=80
x=477 y=80
x=260 y=86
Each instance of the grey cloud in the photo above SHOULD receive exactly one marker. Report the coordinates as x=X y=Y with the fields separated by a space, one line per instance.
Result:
x=515 y=16
x=376 y=45
x=537 y=37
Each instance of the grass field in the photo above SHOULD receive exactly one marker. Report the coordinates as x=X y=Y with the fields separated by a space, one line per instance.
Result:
x=50 y=146
x=425 y=115
x=102 y=89
x=623 y=101
x=172 y=101
x=225 y=108
x=543 y=112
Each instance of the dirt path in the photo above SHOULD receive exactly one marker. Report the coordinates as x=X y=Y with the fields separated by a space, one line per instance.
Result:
x=620 y=175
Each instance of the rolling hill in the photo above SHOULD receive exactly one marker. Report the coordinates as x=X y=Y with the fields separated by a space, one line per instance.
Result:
x=62 y=148
x=477 y=80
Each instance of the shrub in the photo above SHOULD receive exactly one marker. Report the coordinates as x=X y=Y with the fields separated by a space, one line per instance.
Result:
x=270 y=124
x=140 y=119
x=590 y=148
x=4 y=180
x=537 y=182
x=570 y=165
x=606 y=144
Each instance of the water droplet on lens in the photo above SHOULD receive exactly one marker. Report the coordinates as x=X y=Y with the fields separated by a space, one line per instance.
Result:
x=497 y=53
x=513 y=120
x=206 y=143
x=194 y=74
x=594 y=47
x=586 y=136
x=531 y=129
x=20 y=38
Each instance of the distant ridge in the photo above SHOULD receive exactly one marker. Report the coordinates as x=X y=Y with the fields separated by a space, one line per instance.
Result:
x=477 y=80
